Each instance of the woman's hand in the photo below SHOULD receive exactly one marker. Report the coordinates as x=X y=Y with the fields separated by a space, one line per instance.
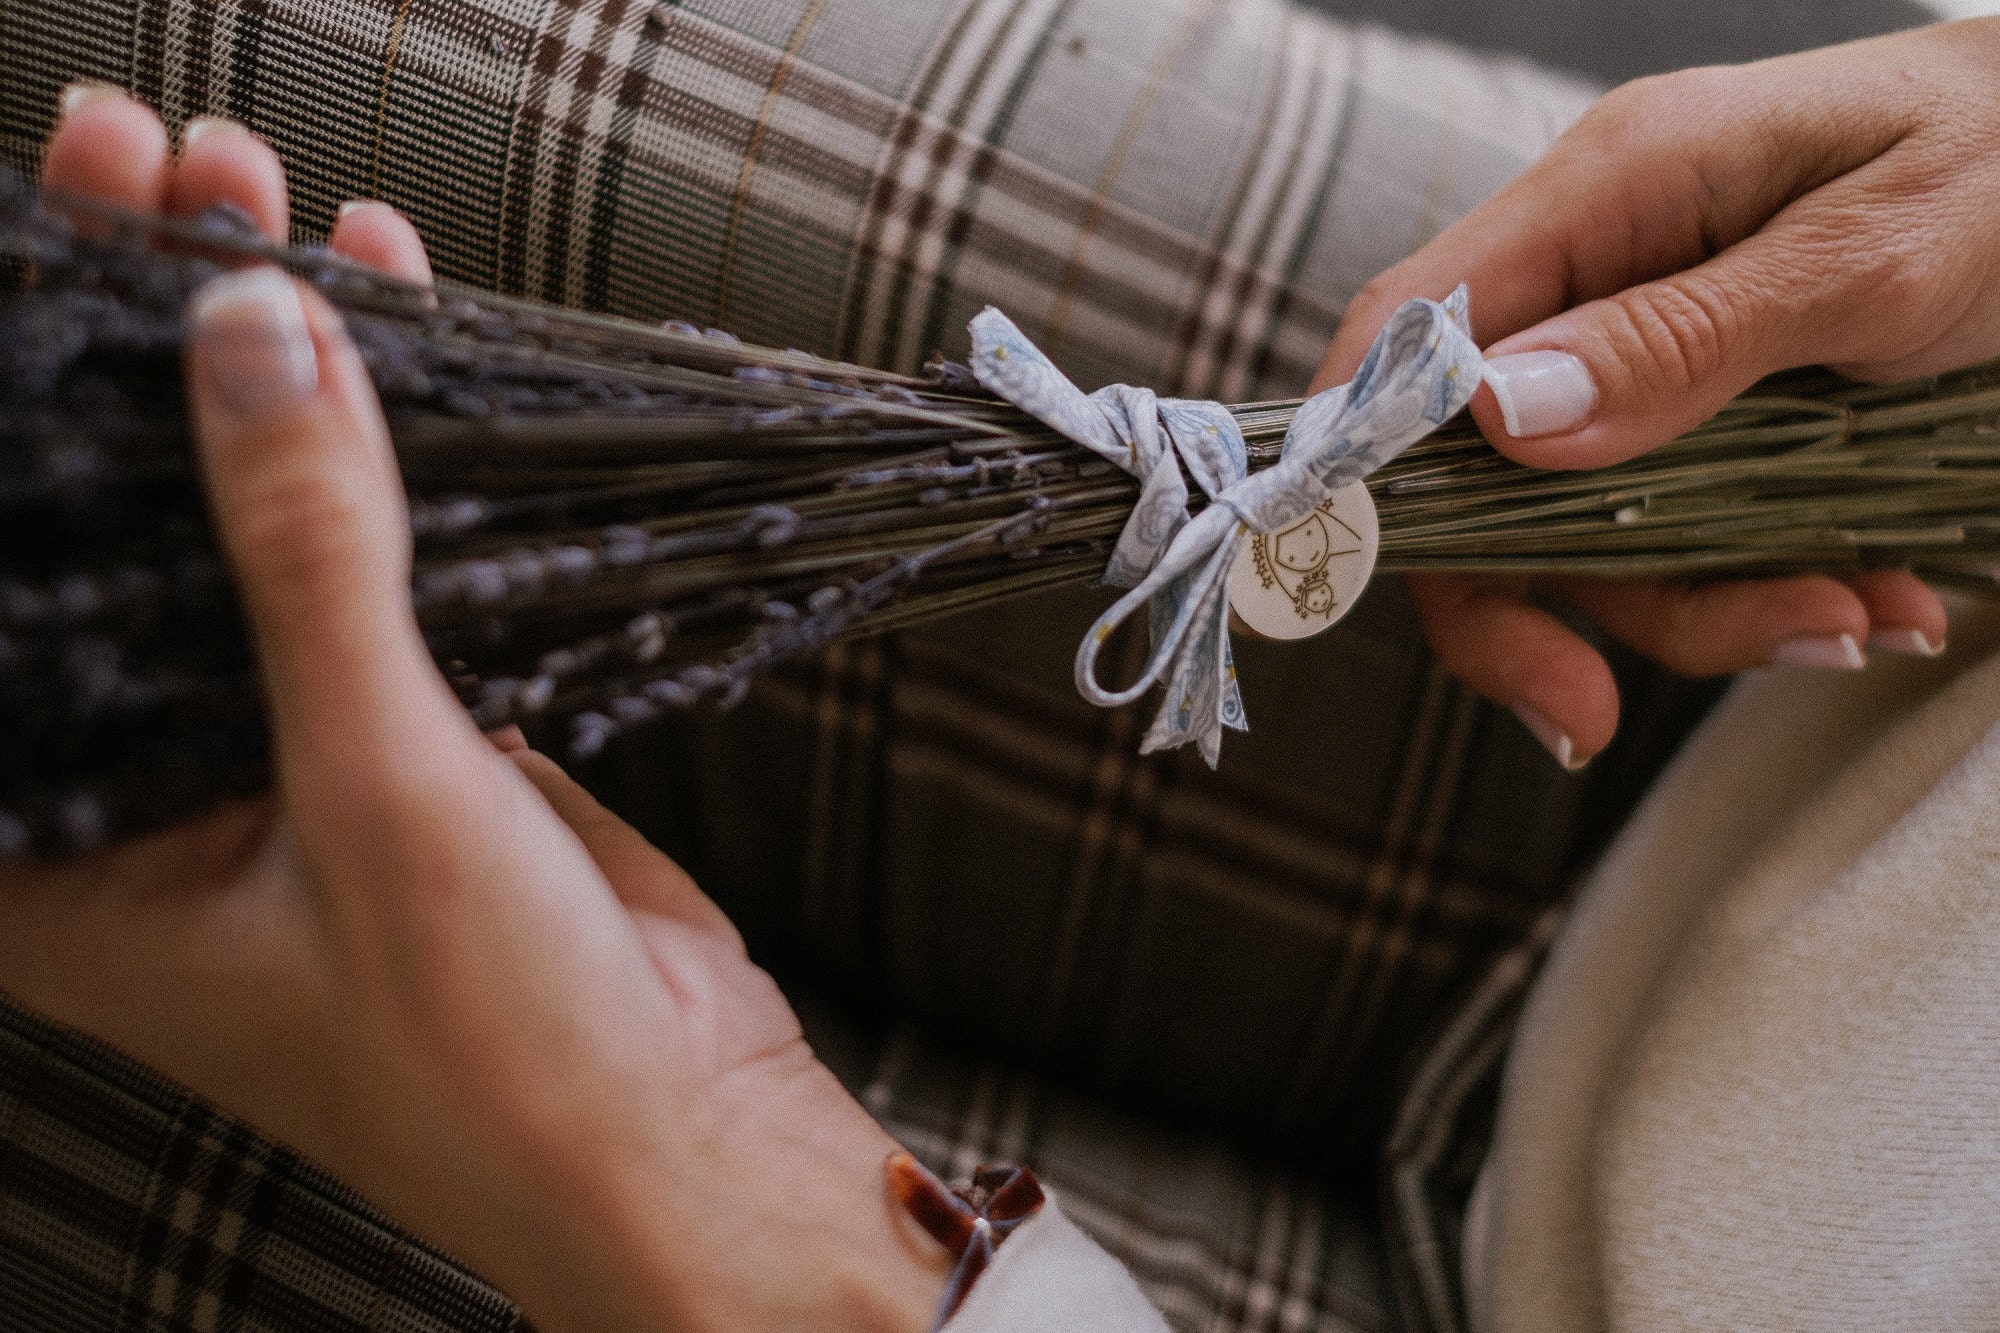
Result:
x=1692 y=234
x=433 y=962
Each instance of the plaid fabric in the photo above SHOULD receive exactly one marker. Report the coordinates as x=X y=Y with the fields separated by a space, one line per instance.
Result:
x=1257 y=949
x=127 y=1205
x=1221 y=1241
x=1180 y=193
x=1442 y=1134
x=1183 y=194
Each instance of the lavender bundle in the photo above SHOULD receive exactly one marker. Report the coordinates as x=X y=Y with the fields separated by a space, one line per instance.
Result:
x=615 y=520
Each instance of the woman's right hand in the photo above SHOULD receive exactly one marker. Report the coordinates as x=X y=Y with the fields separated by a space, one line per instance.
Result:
x=1692 y=234
x=430 y=960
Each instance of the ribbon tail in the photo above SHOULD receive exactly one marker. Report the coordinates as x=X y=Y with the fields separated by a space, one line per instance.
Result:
x=1233 y=714
x=1201 y=696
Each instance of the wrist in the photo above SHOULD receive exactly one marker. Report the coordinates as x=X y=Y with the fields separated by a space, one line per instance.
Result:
x=777 y=1218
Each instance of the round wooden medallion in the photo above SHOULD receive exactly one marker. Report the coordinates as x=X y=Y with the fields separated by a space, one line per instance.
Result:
x=1298 y=582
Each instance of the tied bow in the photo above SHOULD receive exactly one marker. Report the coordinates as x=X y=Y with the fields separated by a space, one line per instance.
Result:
x=1422 y=369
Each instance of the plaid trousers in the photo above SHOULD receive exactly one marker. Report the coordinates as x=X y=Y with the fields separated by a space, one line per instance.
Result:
x=929 y=827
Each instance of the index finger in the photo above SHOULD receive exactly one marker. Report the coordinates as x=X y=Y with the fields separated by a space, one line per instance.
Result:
x=1659 y=176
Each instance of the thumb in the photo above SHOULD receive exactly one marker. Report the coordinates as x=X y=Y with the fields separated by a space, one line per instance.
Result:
x=1618 y=376
x=310 y=511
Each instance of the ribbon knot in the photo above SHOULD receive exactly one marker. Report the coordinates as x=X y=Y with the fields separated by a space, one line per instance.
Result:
x=1422 y=369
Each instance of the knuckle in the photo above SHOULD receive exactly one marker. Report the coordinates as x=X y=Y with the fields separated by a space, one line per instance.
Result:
x=299 y=527
x=1876 y=278
x=1656 y=107
x=1893 y=280
x=1381 y=294
x=1673 y=334
x=1620 y=113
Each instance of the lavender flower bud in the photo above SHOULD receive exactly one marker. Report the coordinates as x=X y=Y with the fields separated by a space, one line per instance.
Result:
x=631 y=710
x=572 y=565
x=771 y=525
x=22 y=605
x=524 y=571
x=496 y=701
x=624 y=546
x=81 y=818
x=561 y=662
x=14 y=836
x=589 y=734
x=448 y=518
x=484 y=581
x=700 y=679
x=229 y=221
x=669 y=694
x=536 y=695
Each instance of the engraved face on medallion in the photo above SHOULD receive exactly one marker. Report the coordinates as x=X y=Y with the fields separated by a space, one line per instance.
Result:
x=1297 y=582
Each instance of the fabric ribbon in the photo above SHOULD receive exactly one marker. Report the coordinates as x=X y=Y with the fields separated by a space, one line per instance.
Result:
x=1422 y=369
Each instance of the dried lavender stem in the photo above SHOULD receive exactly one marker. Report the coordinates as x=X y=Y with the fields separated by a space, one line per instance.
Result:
x=616 y=520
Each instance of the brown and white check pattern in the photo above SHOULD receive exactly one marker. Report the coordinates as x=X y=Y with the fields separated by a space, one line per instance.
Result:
x=1442 y=1133
x=127 y=1205
x=1182 y=193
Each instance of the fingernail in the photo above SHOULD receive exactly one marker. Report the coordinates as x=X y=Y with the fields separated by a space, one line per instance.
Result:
x=1552 y=738
x=86 y=92
x=1541 y=393
x=1820 y=652
x=1904 y=643
x=201 y=127
x=256 y=350
x=354 y=206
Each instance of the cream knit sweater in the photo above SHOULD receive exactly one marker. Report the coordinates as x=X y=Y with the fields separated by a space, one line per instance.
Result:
x=1758 y=1084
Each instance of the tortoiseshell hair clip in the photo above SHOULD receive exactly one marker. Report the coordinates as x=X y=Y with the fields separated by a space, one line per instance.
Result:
x=969 y=1222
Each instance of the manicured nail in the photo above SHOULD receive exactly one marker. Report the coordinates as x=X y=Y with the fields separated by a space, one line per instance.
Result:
x=1820 y=652
x=202 y=127
x=256 y=349
x=87 y=92
x=1552 y=738
x=1904 y=643
x=1541 y=393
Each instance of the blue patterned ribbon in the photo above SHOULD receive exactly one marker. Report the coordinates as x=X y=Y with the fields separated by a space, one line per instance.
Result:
x=1421 y=370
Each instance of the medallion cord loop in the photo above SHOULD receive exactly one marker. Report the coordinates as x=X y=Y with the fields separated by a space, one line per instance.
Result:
x=1422 y=369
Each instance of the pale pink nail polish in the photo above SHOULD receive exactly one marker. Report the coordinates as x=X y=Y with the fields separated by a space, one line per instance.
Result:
x=1904 y=643
x=1541 y=393
x=1553 y=739
x=256 y=349
x=87 y=92
x=1820 y=652
x=203 y=127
